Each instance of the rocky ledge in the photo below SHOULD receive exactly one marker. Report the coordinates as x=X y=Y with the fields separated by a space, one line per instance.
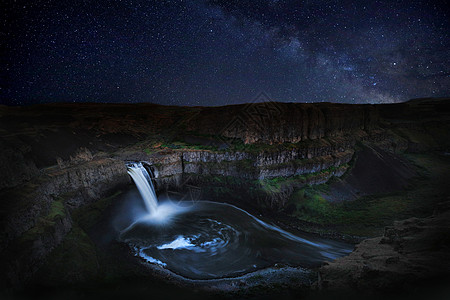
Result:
x=37 y=216
x=57 y=158
x=410 y=254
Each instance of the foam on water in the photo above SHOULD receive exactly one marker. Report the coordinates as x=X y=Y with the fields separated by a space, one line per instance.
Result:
x=206 y=240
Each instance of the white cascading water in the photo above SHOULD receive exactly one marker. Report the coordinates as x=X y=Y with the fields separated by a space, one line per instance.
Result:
x=144 y=184
x=205 y=240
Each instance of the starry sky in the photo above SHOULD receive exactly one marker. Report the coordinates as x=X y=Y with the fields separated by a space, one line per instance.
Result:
x=217 y=52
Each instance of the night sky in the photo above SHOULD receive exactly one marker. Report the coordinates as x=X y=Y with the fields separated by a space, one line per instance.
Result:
x=214 y=52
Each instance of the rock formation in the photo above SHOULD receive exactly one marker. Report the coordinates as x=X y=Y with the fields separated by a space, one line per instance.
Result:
x=409 y=254
x=55 y=158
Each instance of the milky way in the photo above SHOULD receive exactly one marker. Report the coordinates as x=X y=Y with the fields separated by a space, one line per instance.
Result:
x=214 y=52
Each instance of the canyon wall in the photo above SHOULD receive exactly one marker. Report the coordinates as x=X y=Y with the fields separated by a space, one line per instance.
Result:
x=57 y=158
x=410 y=253
x=38 y=214
x=273 y=123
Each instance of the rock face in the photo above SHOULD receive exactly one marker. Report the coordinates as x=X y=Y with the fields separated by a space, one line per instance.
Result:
x=40 y=216
x=34 y=138
x=176 y=170
x=58 y=157
x=79 y=185
x=410 y=252
x=375 y=171
x=17 y=166
x=273 y=123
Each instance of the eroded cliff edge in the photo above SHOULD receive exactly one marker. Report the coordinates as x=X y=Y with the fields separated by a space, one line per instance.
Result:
x=410 y=254
x=58 y=158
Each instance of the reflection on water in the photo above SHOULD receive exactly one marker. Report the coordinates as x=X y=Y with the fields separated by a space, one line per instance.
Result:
x=208 y=240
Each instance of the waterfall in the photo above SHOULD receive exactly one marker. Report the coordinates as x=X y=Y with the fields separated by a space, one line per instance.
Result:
x=144 y=184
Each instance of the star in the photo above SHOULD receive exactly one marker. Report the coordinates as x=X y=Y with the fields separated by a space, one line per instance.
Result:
x=217 y=52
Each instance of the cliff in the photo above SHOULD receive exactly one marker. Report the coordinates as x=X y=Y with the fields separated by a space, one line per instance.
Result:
x=273 y=123
x=410 y=254
x=56 y=158
x=34 y=138
x=37 y=216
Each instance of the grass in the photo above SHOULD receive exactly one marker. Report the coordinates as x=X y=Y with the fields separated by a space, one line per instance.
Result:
x=148 y=151
x=239 y=145
x=275 y=184
x=184 y=145
x=77 y=258
x=46 y=222
x=57 y=210
x=367 y=216
x=261 y=192
x=233 y=144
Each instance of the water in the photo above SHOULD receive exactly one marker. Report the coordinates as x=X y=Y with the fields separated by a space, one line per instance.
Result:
x=207 y=240
x=144 y=184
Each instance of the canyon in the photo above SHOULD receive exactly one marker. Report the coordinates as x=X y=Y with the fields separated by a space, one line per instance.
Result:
x=59 y=161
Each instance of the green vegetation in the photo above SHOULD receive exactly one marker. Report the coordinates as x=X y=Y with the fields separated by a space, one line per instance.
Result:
x=88 y=215
x=57 y=210
x=77 y=258
x=367 y=216
x=259 y=191
x=46 y=223
x=74 y=260
x=275 y=184
x=211 y=143
x=148 y=151
x=239 y=145
x=184 y=145
x=244 y=165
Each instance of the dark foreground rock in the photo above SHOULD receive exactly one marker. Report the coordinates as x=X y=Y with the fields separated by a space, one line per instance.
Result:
x=37 y=216
x=57 y=158
x=411 y=253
